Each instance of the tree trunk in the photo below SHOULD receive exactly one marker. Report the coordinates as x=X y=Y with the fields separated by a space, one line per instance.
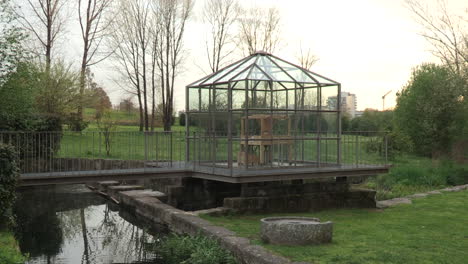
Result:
x=140 y=106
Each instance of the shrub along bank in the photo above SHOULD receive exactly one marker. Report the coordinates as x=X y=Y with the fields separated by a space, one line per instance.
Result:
x=177 y=249
x=412 y=174
x=9 y=252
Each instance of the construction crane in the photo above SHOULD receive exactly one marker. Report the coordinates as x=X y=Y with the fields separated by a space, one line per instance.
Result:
x=383 y=100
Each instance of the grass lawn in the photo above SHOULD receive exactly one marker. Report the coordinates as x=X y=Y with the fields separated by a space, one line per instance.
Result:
x=431 y=230
x=9 y=252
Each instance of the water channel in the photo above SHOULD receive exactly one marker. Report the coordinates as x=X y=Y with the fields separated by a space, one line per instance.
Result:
x=72 y=224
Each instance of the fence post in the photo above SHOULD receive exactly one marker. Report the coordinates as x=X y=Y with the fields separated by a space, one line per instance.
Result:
x=146 y=146
x=386 y=148
x=170 y=155
x=357 y=149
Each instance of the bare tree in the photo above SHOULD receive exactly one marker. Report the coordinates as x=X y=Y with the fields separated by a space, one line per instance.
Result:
x=46 y=22
x=94 y=25
x=446 y=33
x=306 y=58
x=259 y=31
x=220 y=15
x=131 y=37
x=171 y=17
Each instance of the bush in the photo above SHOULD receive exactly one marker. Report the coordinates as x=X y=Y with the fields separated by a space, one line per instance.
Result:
x=76 y=123
x=193 y=250
x=182 y=119
x=9 y=175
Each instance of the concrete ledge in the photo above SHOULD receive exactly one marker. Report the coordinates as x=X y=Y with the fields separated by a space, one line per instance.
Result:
x=407 y=199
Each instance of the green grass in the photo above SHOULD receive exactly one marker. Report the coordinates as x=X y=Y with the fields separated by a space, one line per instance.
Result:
x=120 y=116
x=128 y=144
x=431 y=230
x=9 y=251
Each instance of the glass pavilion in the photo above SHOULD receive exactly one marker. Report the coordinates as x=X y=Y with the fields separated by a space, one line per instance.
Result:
x=262 y=113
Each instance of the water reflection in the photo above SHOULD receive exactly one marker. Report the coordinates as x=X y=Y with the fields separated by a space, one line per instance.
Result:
x=70 y=224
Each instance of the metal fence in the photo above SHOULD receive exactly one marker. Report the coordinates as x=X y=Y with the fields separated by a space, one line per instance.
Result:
x=43 y=152
x=74 y=151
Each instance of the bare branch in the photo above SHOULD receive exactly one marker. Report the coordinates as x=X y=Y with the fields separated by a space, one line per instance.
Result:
x=259 y=31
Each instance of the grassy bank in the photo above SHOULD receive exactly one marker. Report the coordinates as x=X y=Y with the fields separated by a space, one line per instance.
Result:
x=9 y=252
x=412 y=174
x=431 y=230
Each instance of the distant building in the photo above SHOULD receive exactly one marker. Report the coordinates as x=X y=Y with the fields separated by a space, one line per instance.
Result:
x=348 y=103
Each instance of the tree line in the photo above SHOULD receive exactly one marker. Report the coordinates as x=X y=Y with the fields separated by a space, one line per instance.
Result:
x=145 y=40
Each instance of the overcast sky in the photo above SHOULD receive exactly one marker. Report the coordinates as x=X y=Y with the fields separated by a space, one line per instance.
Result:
x=369 y=46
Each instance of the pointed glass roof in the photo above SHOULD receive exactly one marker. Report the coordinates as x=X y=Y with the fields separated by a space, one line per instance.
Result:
x=266 y=67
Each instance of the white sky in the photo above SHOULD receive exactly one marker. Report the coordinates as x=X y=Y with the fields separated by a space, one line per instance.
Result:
x=369 y=46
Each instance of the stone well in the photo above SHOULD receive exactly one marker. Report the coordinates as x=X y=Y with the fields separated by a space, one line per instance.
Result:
x=295 y=230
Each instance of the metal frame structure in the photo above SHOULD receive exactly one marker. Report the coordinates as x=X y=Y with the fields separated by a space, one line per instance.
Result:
x=263 y=86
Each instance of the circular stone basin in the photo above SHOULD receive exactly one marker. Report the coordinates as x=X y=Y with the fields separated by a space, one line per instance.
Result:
x=295 y=230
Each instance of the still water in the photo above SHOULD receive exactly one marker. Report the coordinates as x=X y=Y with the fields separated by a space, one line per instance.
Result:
x=71 y=224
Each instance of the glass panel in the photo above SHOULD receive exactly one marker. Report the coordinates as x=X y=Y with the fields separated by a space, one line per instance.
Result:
x=330 y=125
x=291 y=99
x=259 y=99
x=236 y=124
x=233 y=72
x=225 y=71
x=295 y=72
x=274 y=71
x=243 y=75
x=220 y=123
x=194 y=99
x=257 y=74
x=221 y=152
x=320 y=79
x=220 y=100
x=308 y=152
x=329 y=98
x=204 y=99
x=279 y=99
x=307 y=99
x=328 y=152
x=238 y=99
x=312 y=122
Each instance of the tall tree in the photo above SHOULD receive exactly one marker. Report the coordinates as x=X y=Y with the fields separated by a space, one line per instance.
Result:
x=446 y=32
x=221 y=16
x=171 y=17
x=259 y=29
x=306 y=58
x=131 y=37
x=11 y=41
x=94 y=25
x=427 y=109
x=46 y=22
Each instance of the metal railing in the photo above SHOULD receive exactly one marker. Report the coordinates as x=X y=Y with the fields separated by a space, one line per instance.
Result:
x=41 y=152
x=44 y=152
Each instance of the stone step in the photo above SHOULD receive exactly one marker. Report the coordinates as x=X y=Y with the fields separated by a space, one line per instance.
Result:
x=114 y=190
x=142 y=193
